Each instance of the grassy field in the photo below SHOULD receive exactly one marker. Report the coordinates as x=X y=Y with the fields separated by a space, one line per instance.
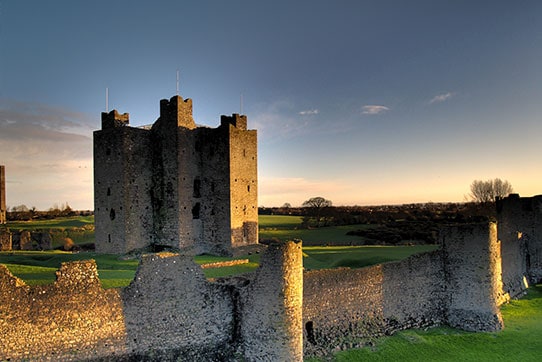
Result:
x=319 y=257
x=80 y=228
x=58 y=223
x=521 y=340
x=288 y=228
x=39 y=267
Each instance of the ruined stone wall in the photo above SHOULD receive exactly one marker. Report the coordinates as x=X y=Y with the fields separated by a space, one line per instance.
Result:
x=30 y=240
x=171 y=309
x=122 y=187
x=520 y=232
x=344 y=307
x=72 y=319
x=3 y=210
x=169 y=312
x=5 y=240
x=459 y=285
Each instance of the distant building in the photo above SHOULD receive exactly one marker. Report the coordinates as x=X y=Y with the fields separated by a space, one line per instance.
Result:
x=3 y=195
x=175 y=184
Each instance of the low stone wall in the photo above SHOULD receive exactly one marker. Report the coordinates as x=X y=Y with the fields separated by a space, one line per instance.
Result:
x=5 y=241
x=27 y=240
x=221 y=264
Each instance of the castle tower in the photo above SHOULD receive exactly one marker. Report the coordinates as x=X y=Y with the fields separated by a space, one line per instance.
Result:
x=473 y=269
x=3 y=195
x=175 y=184
x=122 y=185
x=272 y=327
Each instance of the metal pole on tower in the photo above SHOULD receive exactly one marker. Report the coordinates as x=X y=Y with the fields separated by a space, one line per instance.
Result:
x=177 y=81
x=107 y=100
x=241 y=104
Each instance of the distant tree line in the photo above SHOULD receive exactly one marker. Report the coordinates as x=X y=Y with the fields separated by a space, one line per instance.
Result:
x=23 y=213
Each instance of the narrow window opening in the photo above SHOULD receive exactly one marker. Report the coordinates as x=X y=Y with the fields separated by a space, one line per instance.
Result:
x=309 y=327
x=196 y=210
x=109 y=238
x=108 y=151
x=112 y=214
x=108 y=191
x=197 y=188
x=248 y=188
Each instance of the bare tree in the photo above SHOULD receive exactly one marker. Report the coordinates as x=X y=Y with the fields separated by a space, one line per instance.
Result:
x=316 y=207
x=488 y=191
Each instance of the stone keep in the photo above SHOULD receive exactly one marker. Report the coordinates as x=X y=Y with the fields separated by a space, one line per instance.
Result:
x=2 y=194
x=175 y=184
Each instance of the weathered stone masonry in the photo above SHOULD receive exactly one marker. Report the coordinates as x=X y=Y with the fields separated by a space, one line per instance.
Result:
x=458 y=285
x=520 y=232
x=169 y=312
x=175 y=184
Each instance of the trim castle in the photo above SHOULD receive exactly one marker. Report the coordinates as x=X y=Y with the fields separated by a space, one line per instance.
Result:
x=175 y=184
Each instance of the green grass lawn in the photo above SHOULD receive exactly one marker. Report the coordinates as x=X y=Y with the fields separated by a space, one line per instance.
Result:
x=58 y=223
x=521 y=340
x=319 y=257
x=279 y=221
x=38 y=267
x=289 y=227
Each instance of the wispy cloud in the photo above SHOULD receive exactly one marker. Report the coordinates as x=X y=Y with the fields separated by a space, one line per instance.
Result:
x=374 y=109
x=309 y=112
x=441 y=97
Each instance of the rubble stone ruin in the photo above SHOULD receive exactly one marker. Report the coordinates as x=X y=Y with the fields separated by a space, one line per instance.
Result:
x=175 y=184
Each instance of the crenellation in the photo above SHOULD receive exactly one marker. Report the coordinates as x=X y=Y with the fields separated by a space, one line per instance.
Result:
x=114 y=119
x=176 y=112
x=235 y=120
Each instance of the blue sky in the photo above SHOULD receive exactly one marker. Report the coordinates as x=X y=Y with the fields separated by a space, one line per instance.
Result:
x=361 y=102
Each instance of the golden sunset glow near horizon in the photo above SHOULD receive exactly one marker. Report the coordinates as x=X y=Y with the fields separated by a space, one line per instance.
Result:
x=363 y=103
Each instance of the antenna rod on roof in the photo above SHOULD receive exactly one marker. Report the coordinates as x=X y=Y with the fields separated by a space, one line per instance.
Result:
x=177 y=81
